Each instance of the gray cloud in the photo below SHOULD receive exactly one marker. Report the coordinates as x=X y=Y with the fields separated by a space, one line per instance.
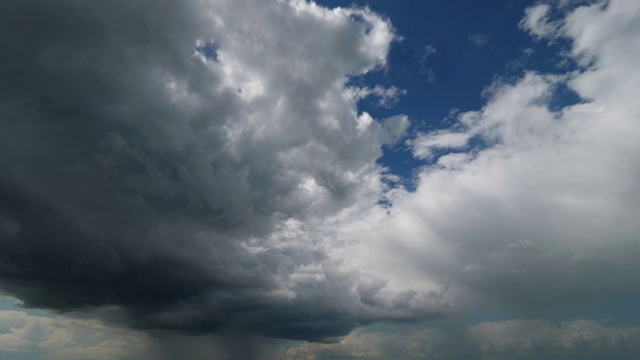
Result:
x=154 y=183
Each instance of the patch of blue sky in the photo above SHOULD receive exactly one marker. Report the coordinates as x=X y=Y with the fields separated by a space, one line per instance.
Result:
x=208 y=49
x=562 y=97
x=449 y=52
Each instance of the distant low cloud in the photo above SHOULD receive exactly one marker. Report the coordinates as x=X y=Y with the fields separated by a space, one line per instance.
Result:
x=43 y=337
x=533 y=339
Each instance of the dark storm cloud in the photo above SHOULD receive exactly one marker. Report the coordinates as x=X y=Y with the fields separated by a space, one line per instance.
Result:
x=142 y=177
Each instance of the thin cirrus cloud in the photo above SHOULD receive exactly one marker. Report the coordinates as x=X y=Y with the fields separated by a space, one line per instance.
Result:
x=163 y=188
x=479 y=39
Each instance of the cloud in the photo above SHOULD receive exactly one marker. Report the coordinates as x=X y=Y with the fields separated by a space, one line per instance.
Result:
x=167 y=165
x=513 y=339
x=424 y=145
x=40 y=337
x=479 y=39
x=537 y=23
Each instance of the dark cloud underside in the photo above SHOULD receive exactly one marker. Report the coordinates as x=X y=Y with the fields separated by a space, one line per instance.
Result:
x=139 y=174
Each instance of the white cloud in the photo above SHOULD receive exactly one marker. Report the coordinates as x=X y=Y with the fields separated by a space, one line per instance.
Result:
x=387 y=96
x=537 y=23
x=563 y=180
x=424 y=145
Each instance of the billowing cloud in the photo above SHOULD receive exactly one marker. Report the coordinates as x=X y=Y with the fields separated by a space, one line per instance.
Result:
x=167 y=163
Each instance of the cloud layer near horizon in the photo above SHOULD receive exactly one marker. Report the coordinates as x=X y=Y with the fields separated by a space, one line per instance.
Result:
x=206 y=168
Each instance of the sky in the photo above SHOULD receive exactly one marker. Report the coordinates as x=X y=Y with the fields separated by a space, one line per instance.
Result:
x=289 y=179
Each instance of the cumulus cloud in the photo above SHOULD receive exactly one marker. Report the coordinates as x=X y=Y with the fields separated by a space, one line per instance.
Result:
x=166 y=164
x=424 y=145
x=537 y=22
x=508 y=339
x=42 y=337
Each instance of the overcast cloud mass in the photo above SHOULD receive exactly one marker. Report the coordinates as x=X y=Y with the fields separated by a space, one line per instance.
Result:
x=195 y=179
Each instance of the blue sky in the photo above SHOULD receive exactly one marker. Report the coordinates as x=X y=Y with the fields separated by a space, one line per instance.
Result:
x=442 y=65
x=291 y=179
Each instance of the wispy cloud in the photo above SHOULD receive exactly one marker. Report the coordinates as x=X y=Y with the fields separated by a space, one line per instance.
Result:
x=479 y=39
x=425 y=69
